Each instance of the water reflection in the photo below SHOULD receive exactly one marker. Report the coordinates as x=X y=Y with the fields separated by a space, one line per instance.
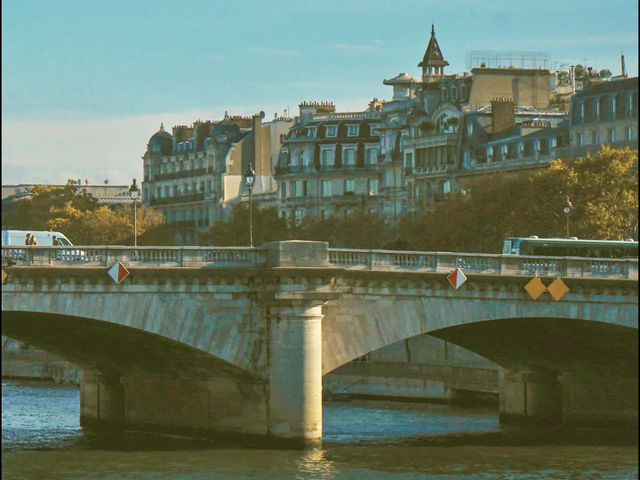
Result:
x=363 y=440
x=314 y=463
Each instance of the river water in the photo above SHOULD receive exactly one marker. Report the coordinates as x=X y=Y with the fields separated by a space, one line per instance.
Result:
x=41 y=439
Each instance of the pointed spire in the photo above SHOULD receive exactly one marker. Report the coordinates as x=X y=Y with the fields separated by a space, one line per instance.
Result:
x=433 y=58
x=162 y=126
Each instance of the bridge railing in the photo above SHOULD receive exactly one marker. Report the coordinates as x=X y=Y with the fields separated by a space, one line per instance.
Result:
x=135 y=256
x=352 y=259
x=496 y=264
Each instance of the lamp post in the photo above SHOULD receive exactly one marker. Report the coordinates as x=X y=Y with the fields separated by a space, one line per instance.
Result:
x=567 y=211
x=134 y=193
x=249 y=180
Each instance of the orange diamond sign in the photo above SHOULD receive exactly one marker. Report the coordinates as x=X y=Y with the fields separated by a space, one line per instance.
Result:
x=535 y=287
x=557 y=289
x=4 y=276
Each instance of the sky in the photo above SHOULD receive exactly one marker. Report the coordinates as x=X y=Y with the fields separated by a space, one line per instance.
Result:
x=85 y=83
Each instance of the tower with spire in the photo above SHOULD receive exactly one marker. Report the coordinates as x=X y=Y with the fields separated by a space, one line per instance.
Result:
x=432 y=63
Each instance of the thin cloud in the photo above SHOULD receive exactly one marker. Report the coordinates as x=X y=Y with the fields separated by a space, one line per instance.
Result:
x=275 y=52
x=354 y=47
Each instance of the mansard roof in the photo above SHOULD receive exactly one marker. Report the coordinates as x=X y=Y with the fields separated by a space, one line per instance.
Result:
x=433 y=55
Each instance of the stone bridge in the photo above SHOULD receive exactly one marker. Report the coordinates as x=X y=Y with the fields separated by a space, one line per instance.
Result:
x=235 y=341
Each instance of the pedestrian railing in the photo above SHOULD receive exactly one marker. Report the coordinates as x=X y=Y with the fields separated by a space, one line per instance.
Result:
x=349 y=259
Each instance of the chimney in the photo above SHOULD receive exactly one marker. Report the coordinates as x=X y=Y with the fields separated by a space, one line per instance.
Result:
x=623 y=73
x=503 y=117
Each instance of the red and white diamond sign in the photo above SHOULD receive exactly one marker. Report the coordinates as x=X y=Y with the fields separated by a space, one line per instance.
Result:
x=457 y=278
x=118 y=272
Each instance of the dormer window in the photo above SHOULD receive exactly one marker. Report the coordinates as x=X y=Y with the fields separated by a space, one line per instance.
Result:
x=331 y=131
x=352 y=130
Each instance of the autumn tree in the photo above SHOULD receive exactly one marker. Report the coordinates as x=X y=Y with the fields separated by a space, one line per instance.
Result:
x=602 y=187
x=71 y=210
x=32 y=213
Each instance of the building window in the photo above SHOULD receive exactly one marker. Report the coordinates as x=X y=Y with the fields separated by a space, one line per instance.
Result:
x=611 y=135
x=408 y=159
x=627 y=133
x=373 y=130
x=349 y=156
x=596 y=109
x=283 y=190
x=348 y=212
x=578 y=138
x=372 y=156
x=454 y=94
x=581 y=111
x=325 y=213
x=325 y=187
x=298 y=215
x=372 y=186
x=595 y=137
x=469 y=128
x=331 y=131
x=294 y=188
x=446 y=187
x=312 y=132
x=327 y=157
x=352 y=130
x=349 y=186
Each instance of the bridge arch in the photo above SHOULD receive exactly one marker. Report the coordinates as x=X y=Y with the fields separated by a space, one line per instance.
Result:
x=113 y=349
x=196 y=327
x=355 y=325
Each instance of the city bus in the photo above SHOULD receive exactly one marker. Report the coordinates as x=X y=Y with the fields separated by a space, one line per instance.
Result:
x=570 y=247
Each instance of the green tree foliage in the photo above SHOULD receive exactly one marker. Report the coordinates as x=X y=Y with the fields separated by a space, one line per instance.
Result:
x=267 y=227
x=358 y=230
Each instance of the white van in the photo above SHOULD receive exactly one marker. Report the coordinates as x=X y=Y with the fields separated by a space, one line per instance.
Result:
x=43 y=238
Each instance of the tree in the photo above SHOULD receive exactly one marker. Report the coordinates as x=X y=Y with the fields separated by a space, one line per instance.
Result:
x=267 y=227
x=72 y=211
x=32 y=213
x=101 y=226
x=605 y=73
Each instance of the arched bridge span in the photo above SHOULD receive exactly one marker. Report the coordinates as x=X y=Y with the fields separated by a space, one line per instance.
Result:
x=263 y=325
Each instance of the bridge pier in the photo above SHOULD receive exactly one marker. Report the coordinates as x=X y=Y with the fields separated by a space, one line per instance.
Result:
x=295 y=372
x=529 y=397
x=101 y=401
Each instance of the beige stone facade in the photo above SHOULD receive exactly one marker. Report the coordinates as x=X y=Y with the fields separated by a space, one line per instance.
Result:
x=194 y=175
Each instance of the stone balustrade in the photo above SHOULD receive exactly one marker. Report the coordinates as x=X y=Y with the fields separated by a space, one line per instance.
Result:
x=358 y=259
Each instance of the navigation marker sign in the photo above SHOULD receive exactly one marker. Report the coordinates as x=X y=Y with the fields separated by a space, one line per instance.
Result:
x=117 y=272
x=457 y=278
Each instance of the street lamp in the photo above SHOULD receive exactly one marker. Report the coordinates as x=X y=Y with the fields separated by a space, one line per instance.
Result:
x=567 y=211
x=249 y=180
x=134 y=193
